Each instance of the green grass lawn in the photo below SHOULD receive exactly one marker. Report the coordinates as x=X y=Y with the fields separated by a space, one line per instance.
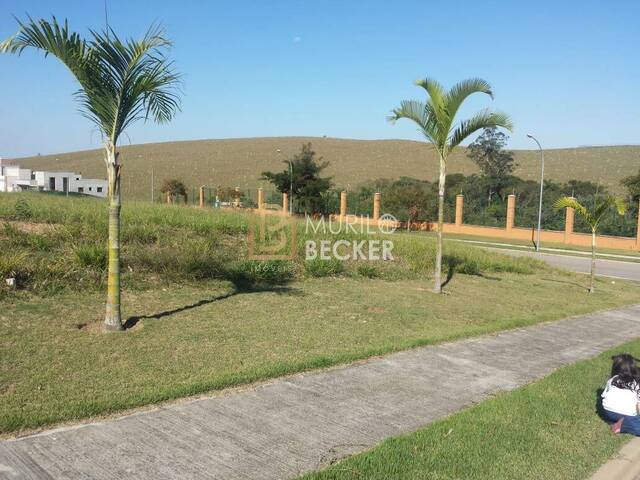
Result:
x=52 y=371
x=548 y=430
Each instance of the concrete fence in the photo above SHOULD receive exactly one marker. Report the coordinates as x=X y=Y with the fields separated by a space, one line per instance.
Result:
x=509 y=232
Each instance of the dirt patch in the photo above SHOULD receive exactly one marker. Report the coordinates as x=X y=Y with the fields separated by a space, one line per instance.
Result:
x=30 y=227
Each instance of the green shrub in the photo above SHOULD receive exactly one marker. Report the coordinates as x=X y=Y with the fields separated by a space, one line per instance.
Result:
x=22 y=210
x=368 y=270
x=249 y=273
x=323 y=268
x=92 y=256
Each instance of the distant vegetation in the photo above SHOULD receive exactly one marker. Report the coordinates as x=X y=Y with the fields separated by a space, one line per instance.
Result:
x=239 y=162
x=485 y=194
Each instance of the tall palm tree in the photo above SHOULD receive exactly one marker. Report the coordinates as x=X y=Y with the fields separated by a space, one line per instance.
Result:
x=593 y=217
x=436 y=121
x=121 y=82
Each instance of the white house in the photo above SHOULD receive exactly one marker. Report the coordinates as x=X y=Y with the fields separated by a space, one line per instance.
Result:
x=15 y=179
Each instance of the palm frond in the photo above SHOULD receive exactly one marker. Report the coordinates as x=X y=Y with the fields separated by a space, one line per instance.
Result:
x=418 y=112
x=609 y=202
x=592 y=217
x=437 y=100
x=570 y=202
x=481 y=120
x=121 y=82
x=462 y=90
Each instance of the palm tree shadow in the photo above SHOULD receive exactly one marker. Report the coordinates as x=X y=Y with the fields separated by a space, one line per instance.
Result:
x=453 y=263
x=237 y=290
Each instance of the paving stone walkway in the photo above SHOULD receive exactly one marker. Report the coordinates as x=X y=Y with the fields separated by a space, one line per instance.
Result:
x=304 y=422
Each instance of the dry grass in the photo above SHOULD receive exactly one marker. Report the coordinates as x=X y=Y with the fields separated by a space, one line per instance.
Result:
x=239 y=162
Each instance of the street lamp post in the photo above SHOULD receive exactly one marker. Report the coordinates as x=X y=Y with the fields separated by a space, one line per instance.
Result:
x=541 y=189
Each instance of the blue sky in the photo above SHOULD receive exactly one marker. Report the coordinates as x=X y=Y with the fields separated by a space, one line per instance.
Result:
x=567 y=71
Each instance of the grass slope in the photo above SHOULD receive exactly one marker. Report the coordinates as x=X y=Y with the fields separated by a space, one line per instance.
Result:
x=239 y=162
x=548 y=430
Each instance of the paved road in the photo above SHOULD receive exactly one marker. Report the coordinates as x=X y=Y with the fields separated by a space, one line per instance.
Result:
x=304 y=422
x=605 y=268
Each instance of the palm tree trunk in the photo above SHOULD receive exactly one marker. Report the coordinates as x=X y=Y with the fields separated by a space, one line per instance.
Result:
x=112 y=320
x=437 y=288
x=593 y=260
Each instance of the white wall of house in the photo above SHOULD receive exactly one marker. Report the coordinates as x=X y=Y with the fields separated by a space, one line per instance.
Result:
x=15 y=179
x=70 y=181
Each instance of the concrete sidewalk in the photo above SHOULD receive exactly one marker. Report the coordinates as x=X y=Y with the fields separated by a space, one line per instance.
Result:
x=304 y=422
x=625 y=465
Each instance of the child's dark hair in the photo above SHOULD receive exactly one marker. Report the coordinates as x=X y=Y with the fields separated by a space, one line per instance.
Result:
x=626 y=372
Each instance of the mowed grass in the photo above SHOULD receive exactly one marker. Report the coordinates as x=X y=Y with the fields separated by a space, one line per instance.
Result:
x=240 y=162
x=196 y=338
x=548 y=430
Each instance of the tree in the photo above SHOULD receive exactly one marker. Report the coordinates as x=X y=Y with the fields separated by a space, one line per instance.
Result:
x=593 y=218
x=497 y=164
x=435 y=119
x=304 y=176
x=121 y=82
x=174 y=189
x=632 y=183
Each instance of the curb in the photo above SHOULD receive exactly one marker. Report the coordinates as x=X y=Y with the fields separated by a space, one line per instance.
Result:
x=625 y=465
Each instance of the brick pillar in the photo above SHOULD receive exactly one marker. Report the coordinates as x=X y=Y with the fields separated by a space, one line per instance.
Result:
x=511 y=211
x=376 y=206
x=459 y=209
x=285 y=203
x=343 y=204
x=201 y=193
x=638 y=230
x=260 y=199
x=568 y=224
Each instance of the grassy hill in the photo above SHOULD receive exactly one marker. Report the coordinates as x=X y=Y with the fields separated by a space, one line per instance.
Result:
x=239 y=162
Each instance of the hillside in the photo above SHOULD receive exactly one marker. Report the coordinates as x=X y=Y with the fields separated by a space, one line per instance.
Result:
x=239 y=162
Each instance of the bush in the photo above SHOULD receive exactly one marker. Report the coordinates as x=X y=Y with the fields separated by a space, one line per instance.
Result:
x=323 y=268
x=367 y=270
x=22 y=210
x=251 y=273
x=92 y=256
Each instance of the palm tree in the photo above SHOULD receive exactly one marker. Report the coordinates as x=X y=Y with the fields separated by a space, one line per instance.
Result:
x=121 y=82
x=436 y=121
x=593 y=217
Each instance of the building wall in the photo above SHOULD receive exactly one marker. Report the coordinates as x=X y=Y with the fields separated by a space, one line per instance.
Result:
x=77 y=184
